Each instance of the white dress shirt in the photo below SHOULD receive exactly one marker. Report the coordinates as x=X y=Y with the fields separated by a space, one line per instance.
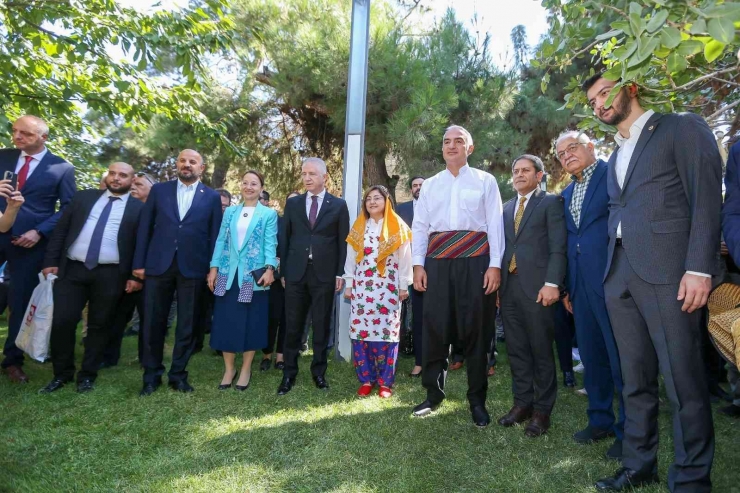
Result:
x=320 y=201
x=469 y=201
x=185 y=194
x=109 y=246
x=526 y=203
x=243 y=224
x=32 y=165
x=624 y=155
x=402 y=256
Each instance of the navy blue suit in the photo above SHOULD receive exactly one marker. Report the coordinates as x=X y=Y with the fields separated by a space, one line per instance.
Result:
x=176 y=255
x=587 y=253
x=731 y=207
x=52 y=180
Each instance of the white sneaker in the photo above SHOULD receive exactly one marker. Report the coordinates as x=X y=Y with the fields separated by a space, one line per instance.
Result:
x=579 y=368
x=582 y=392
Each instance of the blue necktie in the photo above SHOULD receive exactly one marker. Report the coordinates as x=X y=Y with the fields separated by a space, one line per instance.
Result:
x=93 y=250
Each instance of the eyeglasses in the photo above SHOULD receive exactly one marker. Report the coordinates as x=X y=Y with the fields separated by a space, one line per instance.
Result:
x=571 y=149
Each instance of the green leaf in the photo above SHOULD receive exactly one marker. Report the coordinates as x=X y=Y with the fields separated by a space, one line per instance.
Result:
x=676 y=63
x=727 y=10
x=635 y=8
x=624 y=52
x=722 y=29
x=613 y=32
x=670 y=37
x=613 y=73
x=623 y=26
x=644 y=50
x=637 y=24
x=612 y=94
x=657 y=21
x=698 y=27
x=713 y=50
x=689 y=47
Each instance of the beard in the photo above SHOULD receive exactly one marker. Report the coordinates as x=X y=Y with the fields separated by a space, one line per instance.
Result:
x=620 y=109
x=416 y=194
x=192 y=177
x=118 y=190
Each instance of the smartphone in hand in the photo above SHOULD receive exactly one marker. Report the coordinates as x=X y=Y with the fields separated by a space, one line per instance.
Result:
x=9 y=175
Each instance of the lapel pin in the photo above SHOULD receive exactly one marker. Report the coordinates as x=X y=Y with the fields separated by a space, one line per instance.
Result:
x=201 y=190
x=651 y=127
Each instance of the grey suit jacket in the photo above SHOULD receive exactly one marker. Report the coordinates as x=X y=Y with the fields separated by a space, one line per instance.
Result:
x=669 y=205
x=540 y=244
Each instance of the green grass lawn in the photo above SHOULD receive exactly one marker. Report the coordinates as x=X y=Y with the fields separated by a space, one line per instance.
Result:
x=223 y=441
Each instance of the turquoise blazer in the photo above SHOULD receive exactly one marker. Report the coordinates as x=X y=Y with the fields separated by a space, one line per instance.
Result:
x=258 y=249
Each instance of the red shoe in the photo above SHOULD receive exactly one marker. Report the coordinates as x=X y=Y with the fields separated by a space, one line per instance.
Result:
x=384 y=392
x=365 y=389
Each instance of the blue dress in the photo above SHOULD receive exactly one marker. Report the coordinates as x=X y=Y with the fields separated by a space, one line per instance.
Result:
x=239 y=327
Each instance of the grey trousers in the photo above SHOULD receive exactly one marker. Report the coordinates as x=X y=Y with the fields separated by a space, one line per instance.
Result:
x=653 y=335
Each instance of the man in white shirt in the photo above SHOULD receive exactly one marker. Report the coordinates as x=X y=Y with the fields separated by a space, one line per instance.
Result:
x=665 y=193
x=91 y=250
x=458 y=242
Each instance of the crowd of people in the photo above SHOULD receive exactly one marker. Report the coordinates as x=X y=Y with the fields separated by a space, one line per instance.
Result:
x=629 y=249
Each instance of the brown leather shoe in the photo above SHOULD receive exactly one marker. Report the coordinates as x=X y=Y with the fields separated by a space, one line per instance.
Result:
x=515 y=416
x=456 y=365
x=538 y=425
x=15 y=374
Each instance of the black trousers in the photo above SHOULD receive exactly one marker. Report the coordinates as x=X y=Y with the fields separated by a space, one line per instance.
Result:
x=530 y=332
x=121 y=318
x=204 y=319
x=307 y=294
x=565 y=329
x=276 y=322
x=456 y=310
x=654 y=336
x=103 y=288
x=158 y=294
x=417 y=323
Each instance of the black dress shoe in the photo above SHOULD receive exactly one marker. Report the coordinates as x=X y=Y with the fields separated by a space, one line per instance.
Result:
x=181 y=386
x=265 y=364
x=481 y=418
x=321 y=382
x=242 y=388
x=569 y=379
x=615 y=451
x=732 y=411
x=280 y=365
x=415 y=375
x=148 y=389
x=716 y=391
x=626 y=479
x=590 y=435
x=85 y=385
x=225 y=386
x=53 y=386
x=286 y=385
x=424 y=409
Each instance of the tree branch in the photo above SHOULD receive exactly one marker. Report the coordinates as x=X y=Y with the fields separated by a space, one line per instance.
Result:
x=723 y=110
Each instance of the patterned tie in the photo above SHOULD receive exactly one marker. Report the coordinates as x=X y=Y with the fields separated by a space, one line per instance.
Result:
x=23 y=174
x=96 y=240
x=314 y=210
x=517 y=221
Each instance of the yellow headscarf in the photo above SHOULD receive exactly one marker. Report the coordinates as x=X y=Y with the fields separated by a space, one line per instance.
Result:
x=393 y=234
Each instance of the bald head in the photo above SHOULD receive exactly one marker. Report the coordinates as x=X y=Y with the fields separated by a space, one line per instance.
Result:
x=119 y=179
x=30 y=134
x=189 y=166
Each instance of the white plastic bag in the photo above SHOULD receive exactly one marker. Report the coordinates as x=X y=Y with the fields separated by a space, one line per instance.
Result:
x=33 y=336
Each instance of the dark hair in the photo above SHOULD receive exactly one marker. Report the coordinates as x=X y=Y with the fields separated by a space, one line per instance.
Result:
x=224 y=193
x=265 y=195
x=529 y=157
x=586 y=85
x=291 y=193
x=257 y=174
x=411 y=181
x=382 y=190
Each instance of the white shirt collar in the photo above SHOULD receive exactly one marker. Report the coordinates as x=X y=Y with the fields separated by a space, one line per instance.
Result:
x=529 y=195
x=123 y=197
x=635 y=129
x=38 y=156
x=320 y=195
x=462 y=171
x=372 y=221
x=182 y=186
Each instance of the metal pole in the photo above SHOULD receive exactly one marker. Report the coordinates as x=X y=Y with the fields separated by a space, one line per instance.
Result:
x=354 y=144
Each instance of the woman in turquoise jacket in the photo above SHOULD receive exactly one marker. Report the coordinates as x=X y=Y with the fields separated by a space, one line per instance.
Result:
x=241 y=273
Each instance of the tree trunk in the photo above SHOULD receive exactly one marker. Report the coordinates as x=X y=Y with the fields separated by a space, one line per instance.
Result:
x=376 y=173
x=221 y=166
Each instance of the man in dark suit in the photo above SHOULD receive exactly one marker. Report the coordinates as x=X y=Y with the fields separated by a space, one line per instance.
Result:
x=91 y=250
x=177 y=233
x=665 y=194
x=416 y=300
x=534 y=271
x=312 y=252
x=586 y=217
x=44 y=179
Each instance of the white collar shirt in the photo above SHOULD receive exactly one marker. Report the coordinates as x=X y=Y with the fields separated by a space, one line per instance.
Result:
x=319 y=200
x=32 y=165
x=185 y=194
x=469 y=201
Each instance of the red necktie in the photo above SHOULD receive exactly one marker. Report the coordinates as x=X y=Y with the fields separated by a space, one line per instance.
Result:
x=313 y=212
x=24 y=172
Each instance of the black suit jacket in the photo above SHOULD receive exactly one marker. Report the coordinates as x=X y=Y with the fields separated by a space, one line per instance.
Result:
x=327 y=240
x=406 y=211
x=540 y=244
x=72 y=221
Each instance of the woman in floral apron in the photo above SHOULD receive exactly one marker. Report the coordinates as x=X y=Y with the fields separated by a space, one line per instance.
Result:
x=378 y=264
